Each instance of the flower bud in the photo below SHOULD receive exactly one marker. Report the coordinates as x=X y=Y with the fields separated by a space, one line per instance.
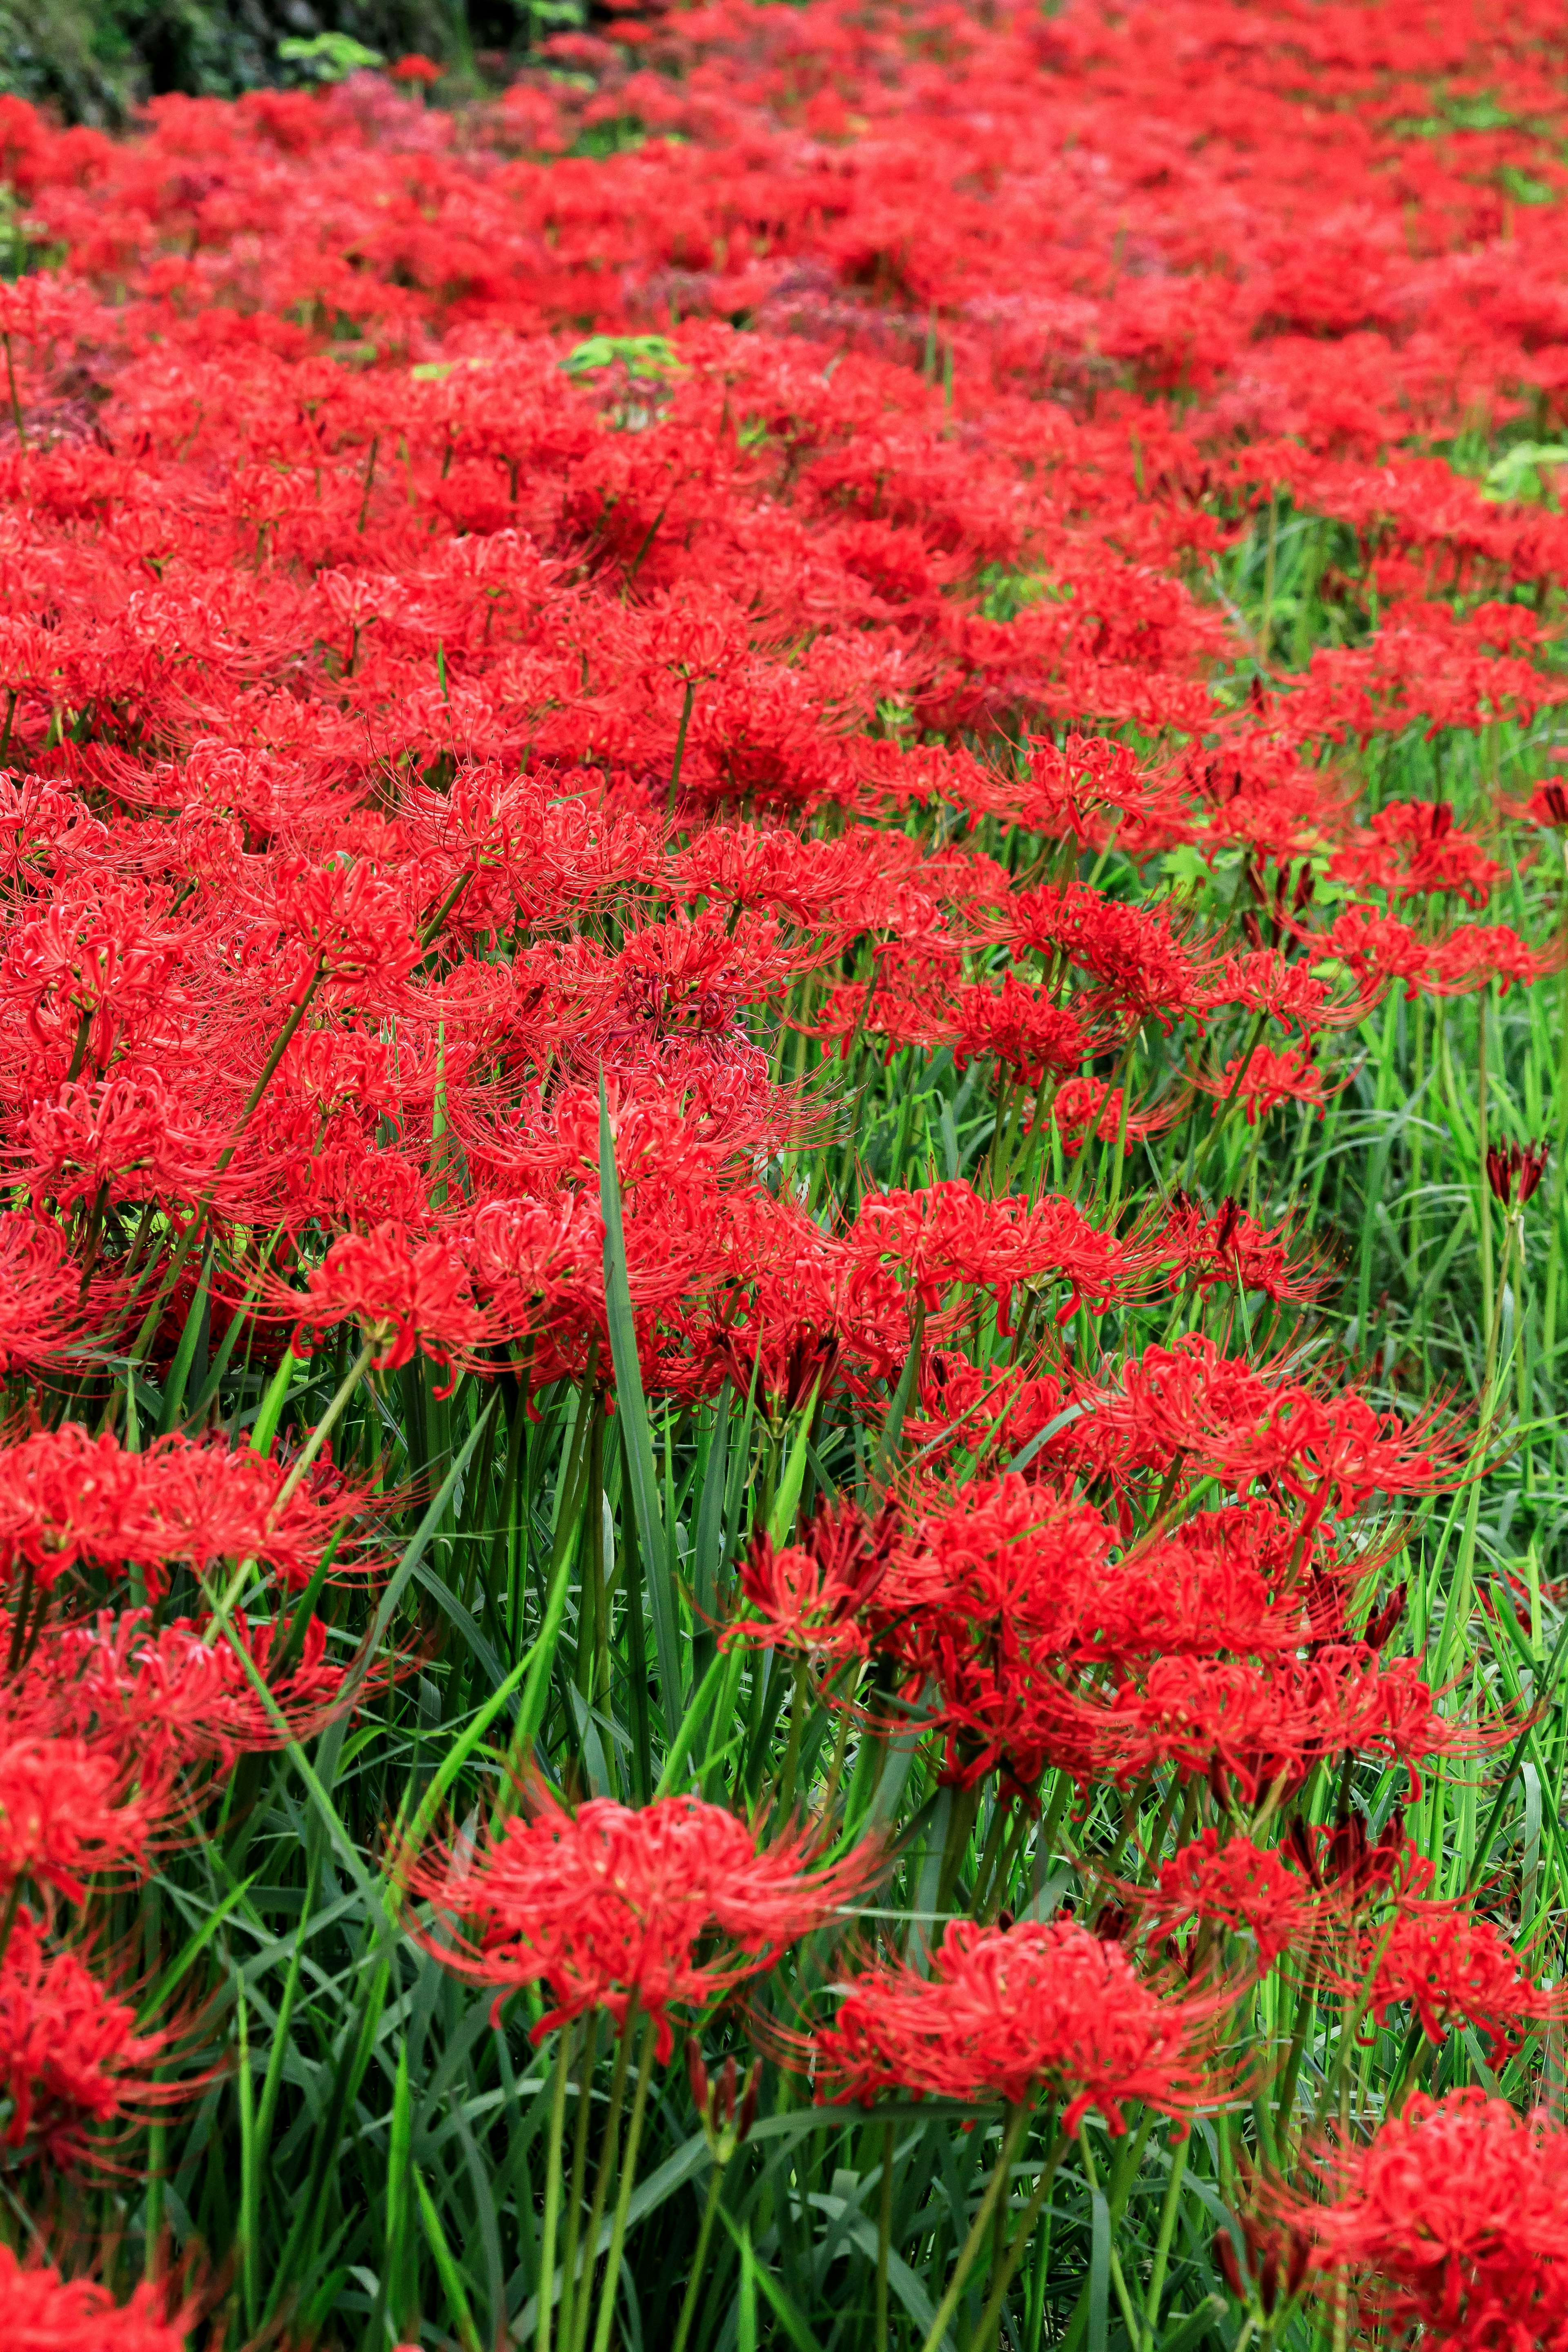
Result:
x=698 y=2074
x=747 y=2115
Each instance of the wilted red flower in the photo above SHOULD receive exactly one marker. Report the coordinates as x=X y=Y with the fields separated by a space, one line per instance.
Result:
x=673 y=1904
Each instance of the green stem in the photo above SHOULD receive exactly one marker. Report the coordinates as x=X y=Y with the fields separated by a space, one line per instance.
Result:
x=989 y=2329
x=552 y=2188
x=579 y=2174
x=884 y=2236
x=680 y=748
x=1012 y=2138
x=602 y=2177
x=610 y=2288
x=689 y=2303
x=1162 y=2245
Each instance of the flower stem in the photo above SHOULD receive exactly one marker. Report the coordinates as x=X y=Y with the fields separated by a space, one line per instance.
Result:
x=605 y=2166
x=688 y=2302
x=1011 y=2138
x=884 y=2237
x=552 y=2188
x=578 y=2173
x=1162 y=2245
x=990 y=2325
x=608 y=2291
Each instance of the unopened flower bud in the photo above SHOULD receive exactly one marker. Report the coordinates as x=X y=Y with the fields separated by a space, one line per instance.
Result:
x=747 y=2115
x=697 y=2072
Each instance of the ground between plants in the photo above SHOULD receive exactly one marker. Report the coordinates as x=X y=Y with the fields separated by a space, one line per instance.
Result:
x=783 y=972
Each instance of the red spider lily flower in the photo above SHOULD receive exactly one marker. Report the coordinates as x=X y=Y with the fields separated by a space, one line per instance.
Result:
x=1263 y=1724
x=66 y=1813
x=812 y=1596
x=948 y=1232
x=40 y=1293
x=675 y=1903
x=1547 y=803
x=1325 y=1445
x=97 y=970
x=172 y=1694
x=1514 y=1169
x=406 y=1297
x=70 y=1502
x=1039 y=2009
x=1267 y=1079
x=1139 y=956
x=1290 y=993
x=1381 y=949
x=1229 y=1248
x=1245 y=1888
x=1414 y=847
x=1082 y=1108
x=1455 y=2218
x=70 y=2056
x=345 y=920
x=42 y=2312
x=414 y=68
x=1454 y=1968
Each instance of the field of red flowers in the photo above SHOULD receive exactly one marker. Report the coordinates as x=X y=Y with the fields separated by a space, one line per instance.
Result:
x=783 y=963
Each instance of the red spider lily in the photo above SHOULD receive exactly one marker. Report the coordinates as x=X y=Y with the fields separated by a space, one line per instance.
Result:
x=41 y=1304
x=1411 y=848
x=172 y=1695
x=1290 y=993
x=1380 y=948
x=42 y=2312
x=1244 y=1888
x=1452 y=1969
x=1082 y=1108
x=1229 y=1248
x=948 y=1233
x=672 y=1904
x=1265 y=1726
x=1323 y=1446
x=1261 y=1080
x=406 y=1297
x=66 y=1811
x=812 y=1596
x=71 y=1503
x=1455 y=2218
x=1138 y=958
x=70 y=2056
x=1039 y=2009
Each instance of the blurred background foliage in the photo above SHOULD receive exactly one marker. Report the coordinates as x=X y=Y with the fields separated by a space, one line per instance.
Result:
x=97 y=60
